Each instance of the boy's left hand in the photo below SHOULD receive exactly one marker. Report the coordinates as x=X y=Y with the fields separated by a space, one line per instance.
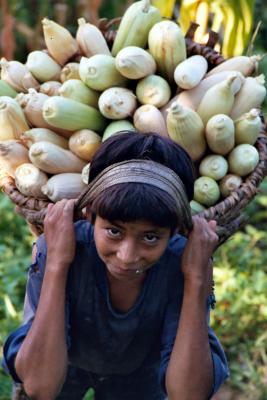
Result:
x=200 y=246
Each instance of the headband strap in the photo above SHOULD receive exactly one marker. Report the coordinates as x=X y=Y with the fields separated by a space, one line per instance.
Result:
x=141 y=171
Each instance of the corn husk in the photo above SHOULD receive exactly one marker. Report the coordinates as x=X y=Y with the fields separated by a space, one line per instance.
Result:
x=190 y=72
x=117 y=103
x=29 y=180
x=84 y=144
x=229 y=183
x=29 y=82
x=243 y=159
x=7 y=90
x=117 y=127
x=99 y=72
x=251 y=95
x=135 y=26
x=69 y=114
x=153 y=90
x=85 y=174
x=42 y=66
x=90 y=39
x=245 y=65
x=12 y=119
x=196 y=207
x=17 y=76
x=218 y=100
x=247 y=127
x=148 y=118
x=220 y=134
x=35 y=135
x=63 y=186
x=53 y=159
x=12 y=154
x=14 y=104
x=32 y=104
x=214 y=166
x=186 y=128
x=191 y=98
x=75 y=89
x=206 y=191
x=70 y=71
x=135 y=63
x=59 y=42
x=166 y=44
x=50 y=88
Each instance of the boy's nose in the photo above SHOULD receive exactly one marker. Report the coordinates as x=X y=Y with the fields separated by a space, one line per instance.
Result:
x=127 y=254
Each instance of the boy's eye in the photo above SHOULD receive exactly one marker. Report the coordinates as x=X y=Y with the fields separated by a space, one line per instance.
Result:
x=151 y=238
x=113 y=232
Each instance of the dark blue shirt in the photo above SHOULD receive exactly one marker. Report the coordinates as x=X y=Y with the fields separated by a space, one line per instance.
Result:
x=103 y=340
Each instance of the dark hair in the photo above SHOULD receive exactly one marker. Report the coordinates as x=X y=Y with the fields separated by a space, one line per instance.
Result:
x=137 y=201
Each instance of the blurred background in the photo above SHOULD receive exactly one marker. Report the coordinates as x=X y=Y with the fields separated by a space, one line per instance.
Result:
x=240 y=316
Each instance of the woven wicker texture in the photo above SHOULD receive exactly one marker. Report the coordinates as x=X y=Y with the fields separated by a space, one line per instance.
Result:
x=227 y=213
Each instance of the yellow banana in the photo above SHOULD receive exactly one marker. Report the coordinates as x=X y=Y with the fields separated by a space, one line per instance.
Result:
x=232 y=18
x=218 y=16
x=239 y=37
x=246 y=9
x=230 y=24
x=187 y=14
x=165 y=7
x=202 y=18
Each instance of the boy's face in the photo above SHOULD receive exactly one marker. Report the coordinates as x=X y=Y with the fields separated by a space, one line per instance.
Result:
x=127 y=247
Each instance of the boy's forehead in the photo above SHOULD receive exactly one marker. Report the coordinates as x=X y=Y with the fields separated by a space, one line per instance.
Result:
x=142 y=225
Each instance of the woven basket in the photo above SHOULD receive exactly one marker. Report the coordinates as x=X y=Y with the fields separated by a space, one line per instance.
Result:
x=227 y=213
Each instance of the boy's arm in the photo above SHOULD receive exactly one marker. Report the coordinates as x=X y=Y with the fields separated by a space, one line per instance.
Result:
x=190 y=372
x=41 y=362
x=190 y=369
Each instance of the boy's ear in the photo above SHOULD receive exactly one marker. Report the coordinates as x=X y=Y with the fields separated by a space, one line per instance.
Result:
x=90 y=216
x=174 y=232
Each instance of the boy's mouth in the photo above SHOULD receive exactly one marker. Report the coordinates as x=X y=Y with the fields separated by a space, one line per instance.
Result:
x=126 y=271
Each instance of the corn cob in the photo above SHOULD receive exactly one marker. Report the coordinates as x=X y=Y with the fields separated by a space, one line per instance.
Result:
x=71 y=115
x=135 y=26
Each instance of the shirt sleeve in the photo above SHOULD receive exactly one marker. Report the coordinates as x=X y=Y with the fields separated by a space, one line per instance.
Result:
x=15 y=339
x=220 y=366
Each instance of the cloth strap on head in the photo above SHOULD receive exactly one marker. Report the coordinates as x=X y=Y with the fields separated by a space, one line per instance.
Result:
x=141 y=171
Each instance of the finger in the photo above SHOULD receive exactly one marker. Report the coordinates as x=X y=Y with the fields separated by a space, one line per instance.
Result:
x=70 y=203
x=200 y=223
x=213 y=224
x=54 y=211
x=49 y=210
x=69 y=207
x=58 y=208
x=50 y=206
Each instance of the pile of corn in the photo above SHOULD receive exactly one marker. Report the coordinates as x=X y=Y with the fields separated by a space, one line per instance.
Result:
x=57 y=108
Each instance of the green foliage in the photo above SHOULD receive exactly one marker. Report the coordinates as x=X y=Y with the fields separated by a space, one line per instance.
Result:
x=15 y=251
x=260 y=14
x=112 y=8
x=240 y=317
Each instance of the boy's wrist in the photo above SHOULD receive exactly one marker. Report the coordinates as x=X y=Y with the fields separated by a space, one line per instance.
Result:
x=195 y=288
x=57 y=267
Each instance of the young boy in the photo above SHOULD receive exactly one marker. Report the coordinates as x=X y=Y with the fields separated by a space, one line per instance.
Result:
x=121 y=304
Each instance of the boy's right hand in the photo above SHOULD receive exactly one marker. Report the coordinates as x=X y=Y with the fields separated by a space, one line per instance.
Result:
x=60 y=234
